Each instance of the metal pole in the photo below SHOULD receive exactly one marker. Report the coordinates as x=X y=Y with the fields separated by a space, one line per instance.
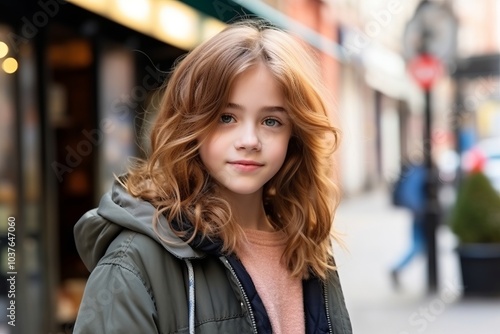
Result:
x=432 y=204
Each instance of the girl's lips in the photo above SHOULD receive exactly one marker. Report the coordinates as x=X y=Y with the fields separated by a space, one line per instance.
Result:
x=246 y=165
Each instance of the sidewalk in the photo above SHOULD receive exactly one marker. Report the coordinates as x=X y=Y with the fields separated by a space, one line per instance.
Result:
x=376 y=235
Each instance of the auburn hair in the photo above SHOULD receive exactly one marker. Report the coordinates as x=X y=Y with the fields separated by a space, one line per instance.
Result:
x=300 y=199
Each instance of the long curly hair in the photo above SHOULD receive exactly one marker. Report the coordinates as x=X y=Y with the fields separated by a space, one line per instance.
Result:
x=300 y=199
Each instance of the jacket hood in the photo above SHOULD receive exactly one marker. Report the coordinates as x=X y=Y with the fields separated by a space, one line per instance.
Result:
x=119 y=210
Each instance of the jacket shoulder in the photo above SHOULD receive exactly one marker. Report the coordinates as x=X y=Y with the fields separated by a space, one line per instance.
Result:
x=139 y=254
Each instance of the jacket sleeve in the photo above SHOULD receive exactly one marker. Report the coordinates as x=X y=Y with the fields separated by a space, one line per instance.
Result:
x=115 y=301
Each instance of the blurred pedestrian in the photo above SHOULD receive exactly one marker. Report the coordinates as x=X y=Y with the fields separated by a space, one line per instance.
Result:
x=409 y=192
x=226 y=226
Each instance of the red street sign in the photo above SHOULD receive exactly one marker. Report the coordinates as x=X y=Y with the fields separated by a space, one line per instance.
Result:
x=425 y=69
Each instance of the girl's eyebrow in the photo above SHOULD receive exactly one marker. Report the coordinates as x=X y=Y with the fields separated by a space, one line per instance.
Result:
x=232 y=105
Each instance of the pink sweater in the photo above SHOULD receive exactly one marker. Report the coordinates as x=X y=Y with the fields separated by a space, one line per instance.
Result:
x=280 y=293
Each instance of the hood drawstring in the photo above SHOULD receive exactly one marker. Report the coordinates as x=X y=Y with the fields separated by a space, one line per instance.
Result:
x=191 y=300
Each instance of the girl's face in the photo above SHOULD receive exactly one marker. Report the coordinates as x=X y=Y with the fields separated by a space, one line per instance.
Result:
x=249 y=145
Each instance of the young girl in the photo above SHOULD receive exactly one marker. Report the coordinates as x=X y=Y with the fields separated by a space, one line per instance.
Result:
x=226 y=227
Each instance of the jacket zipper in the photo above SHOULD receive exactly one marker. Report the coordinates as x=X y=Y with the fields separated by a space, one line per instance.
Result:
x=325 y=295
x=245 y=297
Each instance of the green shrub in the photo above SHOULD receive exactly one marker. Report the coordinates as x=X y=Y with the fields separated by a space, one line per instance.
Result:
x=475 y=217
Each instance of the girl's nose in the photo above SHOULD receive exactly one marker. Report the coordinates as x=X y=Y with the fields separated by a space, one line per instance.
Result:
x=248 y=139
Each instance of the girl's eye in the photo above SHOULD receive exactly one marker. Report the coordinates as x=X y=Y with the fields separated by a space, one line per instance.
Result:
x=272 y=122
x=226 y=119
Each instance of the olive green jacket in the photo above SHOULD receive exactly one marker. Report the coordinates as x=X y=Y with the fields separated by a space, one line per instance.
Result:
x=139 y=284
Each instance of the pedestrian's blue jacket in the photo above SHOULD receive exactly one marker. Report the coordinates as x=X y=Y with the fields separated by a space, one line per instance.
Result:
x=141 y=284
x=409 y=191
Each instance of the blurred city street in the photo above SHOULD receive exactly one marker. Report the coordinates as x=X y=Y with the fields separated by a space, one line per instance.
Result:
x=375 y=236
x=409 y=83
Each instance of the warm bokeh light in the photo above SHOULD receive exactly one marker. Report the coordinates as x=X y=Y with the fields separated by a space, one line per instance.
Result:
x=4 y=49
x=138 y=10
x=9 y=65
x=179 y=23
x=171 y=21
